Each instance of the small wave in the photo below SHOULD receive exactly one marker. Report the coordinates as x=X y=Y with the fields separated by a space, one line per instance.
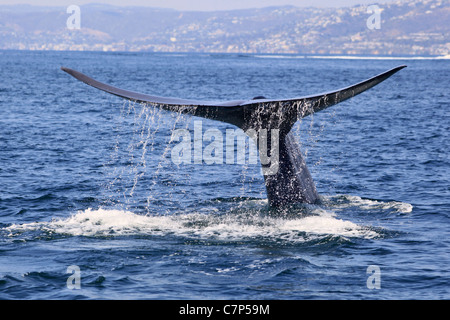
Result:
x=228 y=227
x=370 y=204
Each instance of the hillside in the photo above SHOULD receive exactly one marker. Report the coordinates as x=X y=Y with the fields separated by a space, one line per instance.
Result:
x=418 y=27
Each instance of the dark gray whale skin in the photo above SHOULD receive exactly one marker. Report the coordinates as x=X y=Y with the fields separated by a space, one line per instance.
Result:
x=291 y=182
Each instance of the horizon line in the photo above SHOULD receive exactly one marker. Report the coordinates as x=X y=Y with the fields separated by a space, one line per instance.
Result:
x=267 y=55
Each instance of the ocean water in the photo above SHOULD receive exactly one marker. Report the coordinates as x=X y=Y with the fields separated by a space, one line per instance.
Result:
x=92 y=205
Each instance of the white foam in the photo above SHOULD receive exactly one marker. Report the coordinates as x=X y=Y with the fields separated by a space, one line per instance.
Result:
x=232 y=226
x=368 y=204
x=96 y=223
x=329 y=225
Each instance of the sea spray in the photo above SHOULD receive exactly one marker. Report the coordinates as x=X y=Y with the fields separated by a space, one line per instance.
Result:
x=236 y=225
x=140 y=152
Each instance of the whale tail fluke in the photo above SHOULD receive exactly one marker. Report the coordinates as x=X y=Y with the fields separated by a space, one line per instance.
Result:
x=287 y=177
x=281 y=113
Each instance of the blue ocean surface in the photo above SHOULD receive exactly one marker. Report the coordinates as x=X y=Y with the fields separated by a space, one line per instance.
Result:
x=92 y=205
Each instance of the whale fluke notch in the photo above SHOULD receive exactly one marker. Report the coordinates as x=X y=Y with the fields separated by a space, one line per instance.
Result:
x=292 y=182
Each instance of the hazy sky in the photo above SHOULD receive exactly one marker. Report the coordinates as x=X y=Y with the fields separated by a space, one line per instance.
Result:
x=204 y=5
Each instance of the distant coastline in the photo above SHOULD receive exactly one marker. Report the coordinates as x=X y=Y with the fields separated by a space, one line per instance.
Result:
x=417 y=28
